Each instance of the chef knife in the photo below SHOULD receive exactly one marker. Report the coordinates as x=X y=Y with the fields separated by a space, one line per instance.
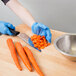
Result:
x=23 y=36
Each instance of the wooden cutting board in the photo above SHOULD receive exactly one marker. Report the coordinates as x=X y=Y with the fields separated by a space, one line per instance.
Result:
x=51 y=62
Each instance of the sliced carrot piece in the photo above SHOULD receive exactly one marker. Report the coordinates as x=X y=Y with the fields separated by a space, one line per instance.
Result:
x=39 y=41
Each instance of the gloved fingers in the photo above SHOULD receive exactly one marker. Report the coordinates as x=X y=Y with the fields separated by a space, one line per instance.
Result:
x=8 y=32
x=37 y=30
x=48 y=39
x=48 y=35
x=42 y=25
x=43 y=33
x=10 y=26
x=34 y=29
x=31 y=43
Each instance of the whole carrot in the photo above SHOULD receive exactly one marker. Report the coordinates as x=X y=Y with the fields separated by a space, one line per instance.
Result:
x=13 y=53
x=32 y=60
x=22 y=55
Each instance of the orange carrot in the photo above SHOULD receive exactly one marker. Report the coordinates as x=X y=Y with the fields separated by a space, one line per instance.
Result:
x=39 y=42
x=32 y=60
x=22 y=55
x=13 y=53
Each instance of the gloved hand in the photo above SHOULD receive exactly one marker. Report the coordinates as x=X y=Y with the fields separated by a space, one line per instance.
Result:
x=41 y=29
x=4 y=28
x=31 y=43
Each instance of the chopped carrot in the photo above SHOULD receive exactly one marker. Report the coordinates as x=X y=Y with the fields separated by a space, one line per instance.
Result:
x=39 y=42
x=33 y=61
x=48 y=43
x=42 y=47
x=13 y=53
x=22 y=55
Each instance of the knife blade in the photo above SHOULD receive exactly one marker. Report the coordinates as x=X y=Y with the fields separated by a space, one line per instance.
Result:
x=23 y=36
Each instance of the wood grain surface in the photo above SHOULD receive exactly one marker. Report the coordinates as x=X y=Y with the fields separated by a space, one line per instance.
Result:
x=51 y=62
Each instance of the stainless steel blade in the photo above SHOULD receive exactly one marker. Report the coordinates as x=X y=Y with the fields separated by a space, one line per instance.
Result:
x=24 y=37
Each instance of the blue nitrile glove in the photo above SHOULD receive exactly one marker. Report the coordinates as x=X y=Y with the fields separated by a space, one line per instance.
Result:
x=4 y=28
x=31 y=43
x=41 y=29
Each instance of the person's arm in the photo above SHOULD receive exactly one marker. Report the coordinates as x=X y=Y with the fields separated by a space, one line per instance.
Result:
x=21 y=12
x=37 y=28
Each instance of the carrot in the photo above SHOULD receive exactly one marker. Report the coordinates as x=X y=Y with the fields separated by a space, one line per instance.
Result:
x=22 y=55
x=32 y=60
x=39 y=42
x=13 y=53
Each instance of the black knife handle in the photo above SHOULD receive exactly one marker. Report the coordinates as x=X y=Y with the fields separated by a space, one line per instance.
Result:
x=5 y=1
x=0 y=33
x=15 y=33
